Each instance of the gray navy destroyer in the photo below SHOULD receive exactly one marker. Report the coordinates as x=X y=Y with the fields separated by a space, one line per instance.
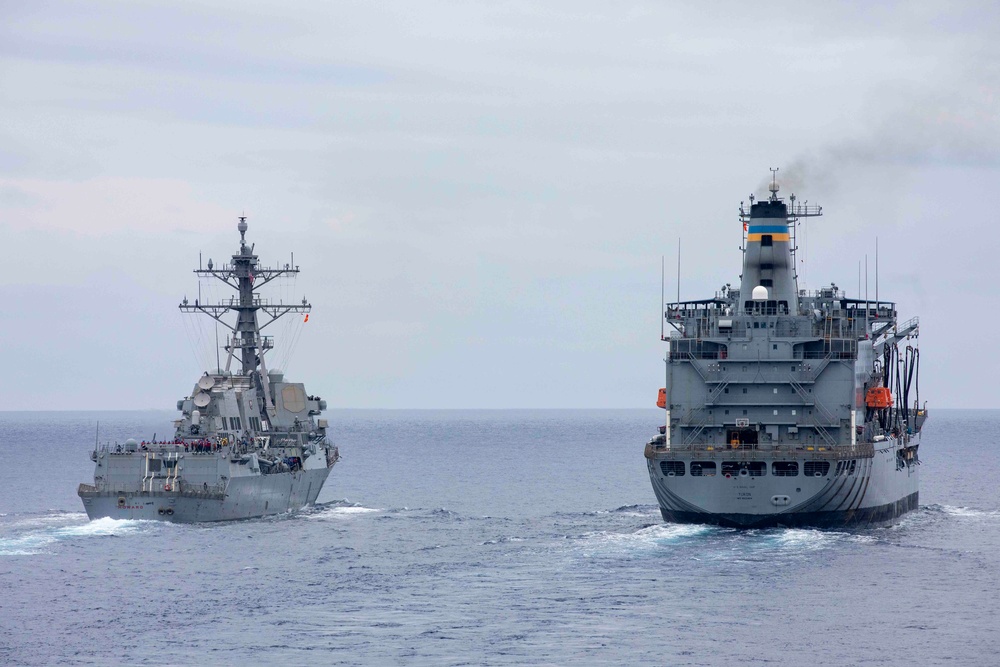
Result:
x=248 y=442
x=786 y=407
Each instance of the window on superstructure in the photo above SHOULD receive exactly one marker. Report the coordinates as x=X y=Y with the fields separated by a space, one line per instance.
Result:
x=766 y=240
x=703 y=468
x=672 y=468
x=745 y=468
x=766 y=282
x=785 y=468
x=816 y=468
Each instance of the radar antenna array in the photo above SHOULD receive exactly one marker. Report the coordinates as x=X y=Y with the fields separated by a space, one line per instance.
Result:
x=246 y=276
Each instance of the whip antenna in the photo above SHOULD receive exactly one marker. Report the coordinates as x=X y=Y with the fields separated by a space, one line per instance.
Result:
x=662 y=297
x=678 y=269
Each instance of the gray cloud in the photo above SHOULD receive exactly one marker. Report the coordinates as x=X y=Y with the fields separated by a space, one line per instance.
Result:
x=477 y=193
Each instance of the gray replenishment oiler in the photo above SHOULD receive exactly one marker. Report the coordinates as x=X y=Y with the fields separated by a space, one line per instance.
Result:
x=248 y=442
x=786 y=407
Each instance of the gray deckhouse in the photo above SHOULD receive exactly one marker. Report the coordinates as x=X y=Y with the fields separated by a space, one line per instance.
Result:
x=246 y=276
x=769 y=363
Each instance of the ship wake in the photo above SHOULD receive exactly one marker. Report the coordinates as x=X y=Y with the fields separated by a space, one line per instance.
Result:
x=37 y=535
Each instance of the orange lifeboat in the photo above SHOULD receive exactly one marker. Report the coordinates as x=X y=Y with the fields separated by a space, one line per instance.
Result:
x=661 y=399
x=878 y=397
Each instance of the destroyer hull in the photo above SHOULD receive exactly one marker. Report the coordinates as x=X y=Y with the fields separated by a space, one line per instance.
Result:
x=854 y=487
x=244 y=498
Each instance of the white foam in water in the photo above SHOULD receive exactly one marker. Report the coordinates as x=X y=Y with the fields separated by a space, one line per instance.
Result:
x=756 y=545
x=804 y=539
x=34 y=541
x=646 y=539
x=965 y=511
x=864 y=539
x=503 y=540
x=354 y=510
x=341 y=512
x=105 y=526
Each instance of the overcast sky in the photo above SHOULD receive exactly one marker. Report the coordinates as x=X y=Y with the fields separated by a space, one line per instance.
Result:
x=479 y=194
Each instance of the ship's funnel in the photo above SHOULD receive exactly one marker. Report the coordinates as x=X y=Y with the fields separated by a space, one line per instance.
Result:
x=767 y=260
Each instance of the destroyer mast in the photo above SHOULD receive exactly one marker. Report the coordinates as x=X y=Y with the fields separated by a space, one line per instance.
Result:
x=246 y=276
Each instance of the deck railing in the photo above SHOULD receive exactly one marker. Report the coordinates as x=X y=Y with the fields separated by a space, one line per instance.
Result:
x=759 y=451
x=181 y=488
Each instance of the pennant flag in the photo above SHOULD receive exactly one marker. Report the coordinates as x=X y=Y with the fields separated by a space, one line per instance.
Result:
x=307 y=318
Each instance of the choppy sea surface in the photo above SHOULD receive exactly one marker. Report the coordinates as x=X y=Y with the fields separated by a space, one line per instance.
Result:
x=489 y=537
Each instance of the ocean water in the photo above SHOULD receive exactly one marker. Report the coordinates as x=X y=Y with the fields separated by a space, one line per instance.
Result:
x=493 y=537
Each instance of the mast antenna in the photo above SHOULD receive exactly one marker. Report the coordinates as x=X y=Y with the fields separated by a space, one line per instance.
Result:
x=662 y=297
x=876 y=273
x=678 y=269
x=246 y=276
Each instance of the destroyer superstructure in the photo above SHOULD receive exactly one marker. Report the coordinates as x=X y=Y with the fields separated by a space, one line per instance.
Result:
x=786 y=406
x=248 y=442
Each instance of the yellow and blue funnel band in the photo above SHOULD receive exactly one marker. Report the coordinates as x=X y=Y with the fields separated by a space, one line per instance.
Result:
x=776 y=232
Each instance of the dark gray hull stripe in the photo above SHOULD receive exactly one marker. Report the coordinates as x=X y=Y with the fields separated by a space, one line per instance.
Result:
x=856 y=518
